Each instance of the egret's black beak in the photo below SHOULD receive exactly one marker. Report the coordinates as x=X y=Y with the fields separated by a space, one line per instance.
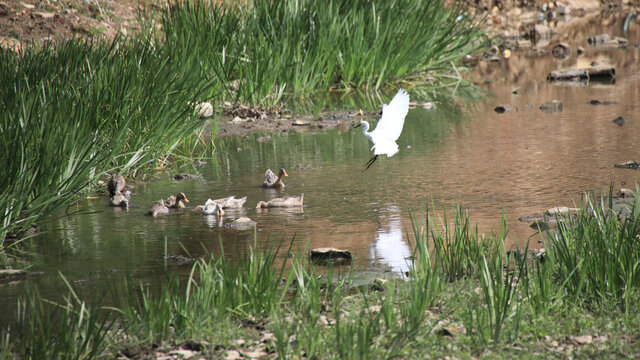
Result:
x=357 y=126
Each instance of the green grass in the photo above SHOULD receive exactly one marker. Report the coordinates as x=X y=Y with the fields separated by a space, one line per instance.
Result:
x=273 y=49
x=78 y=111
x=259 y=301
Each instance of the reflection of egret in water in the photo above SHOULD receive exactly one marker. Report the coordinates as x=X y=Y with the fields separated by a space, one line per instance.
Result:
x=389 y=246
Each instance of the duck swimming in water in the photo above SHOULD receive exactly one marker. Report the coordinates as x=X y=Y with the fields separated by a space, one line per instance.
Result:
x=158 y=209
x=230 y=202
x=271 y=180
x=119 y=200
x=212 y=208
x=175 y=201
x=290 y=201
x=116 y=185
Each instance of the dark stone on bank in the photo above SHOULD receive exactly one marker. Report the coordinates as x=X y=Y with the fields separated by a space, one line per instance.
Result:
x=622 y=203
x=501 y=109
x=620 y=120
x=598 y=72
x=601 y=102
x=628 y=165
x=561 y=51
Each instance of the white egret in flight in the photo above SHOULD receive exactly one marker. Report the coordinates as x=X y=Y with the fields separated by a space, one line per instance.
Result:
x=389 y=127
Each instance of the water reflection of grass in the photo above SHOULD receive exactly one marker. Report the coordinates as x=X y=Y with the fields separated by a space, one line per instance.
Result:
x=580 y=299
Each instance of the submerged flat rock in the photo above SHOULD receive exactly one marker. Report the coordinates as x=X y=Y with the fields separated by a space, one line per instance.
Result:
x=600 y=72
x=7 y=275
x=329 y=254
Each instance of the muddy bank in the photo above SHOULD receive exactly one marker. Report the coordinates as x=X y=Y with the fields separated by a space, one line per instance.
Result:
x=284 y=122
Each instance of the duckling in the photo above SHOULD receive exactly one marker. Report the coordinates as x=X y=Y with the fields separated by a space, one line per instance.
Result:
x=273 y=181
x=119 y=200
x=158 y=209
x=116 y=185
x=175 y=201
x=290 y=201
x=212 y=208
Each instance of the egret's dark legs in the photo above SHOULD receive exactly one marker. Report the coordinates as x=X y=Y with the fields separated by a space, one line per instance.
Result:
x=370 y=162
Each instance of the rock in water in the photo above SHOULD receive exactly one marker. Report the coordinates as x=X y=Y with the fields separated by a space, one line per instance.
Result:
x=330 y=254
x=620 y=120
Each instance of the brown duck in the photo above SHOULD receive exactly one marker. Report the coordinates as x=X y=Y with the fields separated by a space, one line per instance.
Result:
x=175 y=201
x=271 y=180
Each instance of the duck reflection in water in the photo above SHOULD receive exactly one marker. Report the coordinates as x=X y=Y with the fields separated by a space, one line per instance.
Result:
x=212 y=213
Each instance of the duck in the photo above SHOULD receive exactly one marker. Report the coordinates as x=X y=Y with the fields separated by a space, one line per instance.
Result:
x=271 y=180
x=290 y=201
x=175 y=201
x=116 y=185
x=212 y=208
x=158 y=209
x=119 y=200
x=230 y=202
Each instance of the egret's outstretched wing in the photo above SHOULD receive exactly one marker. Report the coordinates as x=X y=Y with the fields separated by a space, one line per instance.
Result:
x=392 y=120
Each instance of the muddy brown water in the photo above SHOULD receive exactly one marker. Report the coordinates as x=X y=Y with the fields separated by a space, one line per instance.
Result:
x=518 y=163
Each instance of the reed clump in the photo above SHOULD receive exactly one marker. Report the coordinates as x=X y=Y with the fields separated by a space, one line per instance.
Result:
x=275 y=49
x=74 y=112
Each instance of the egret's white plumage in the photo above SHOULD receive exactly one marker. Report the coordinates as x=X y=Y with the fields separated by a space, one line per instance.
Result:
x=389 y=127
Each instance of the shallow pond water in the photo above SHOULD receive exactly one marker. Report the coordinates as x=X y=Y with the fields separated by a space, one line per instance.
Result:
x=518 y=163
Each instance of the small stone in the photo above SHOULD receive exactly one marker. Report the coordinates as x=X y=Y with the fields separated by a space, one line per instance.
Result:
x=599 y=39
x=379 y=283
x=501 y=109
x=256 y=354
x=561 y=210
x=620 y=120
x=204 y=109
x=264 y=139
x=183 y=354
x=626 y=193
x=583 y=339
x=233 y=355
x=561 y=51
x=541 y=31
x=44 y=14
